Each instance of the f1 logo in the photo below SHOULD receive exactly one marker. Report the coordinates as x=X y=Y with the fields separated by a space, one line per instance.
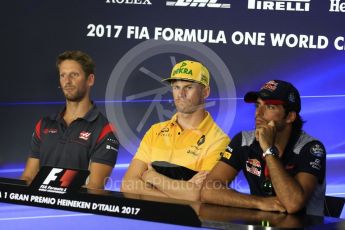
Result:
x=52 y=175
x=66 y=178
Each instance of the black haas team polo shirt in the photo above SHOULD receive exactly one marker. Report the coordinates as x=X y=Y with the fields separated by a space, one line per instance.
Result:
x=85 y=140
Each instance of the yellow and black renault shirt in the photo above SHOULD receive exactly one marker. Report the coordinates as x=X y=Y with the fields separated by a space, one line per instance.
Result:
x=196 y=149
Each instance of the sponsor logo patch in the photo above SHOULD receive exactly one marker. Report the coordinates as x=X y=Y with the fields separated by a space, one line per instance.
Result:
x=292 y=97
x=271 y=86
x=114 y=141
x=316 y=164
x=110 y=147
x=253 y=166
x=201 y=140
x=194 y=150
x=52 y=131
x=84 y=135
x=164 y=130
x=183 y=70
x=229 y=149
x=204 y=79
x=227 y=155
x=317 y=150
x=228 y=152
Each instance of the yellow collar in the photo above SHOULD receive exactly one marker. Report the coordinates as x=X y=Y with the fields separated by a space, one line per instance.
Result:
x=204 y=126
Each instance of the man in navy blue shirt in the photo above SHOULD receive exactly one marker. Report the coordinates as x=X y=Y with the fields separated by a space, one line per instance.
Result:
x=284 y=166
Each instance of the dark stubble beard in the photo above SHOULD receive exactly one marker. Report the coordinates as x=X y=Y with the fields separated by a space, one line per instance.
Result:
x=76 y=97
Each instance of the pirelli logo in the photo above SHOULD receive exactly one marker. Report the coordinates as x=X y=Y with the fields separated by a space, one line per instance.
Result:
x=279 y=5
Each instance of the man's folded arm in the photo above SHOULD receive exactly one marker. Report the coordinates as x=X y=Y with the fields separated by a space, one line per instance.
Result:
x=133 y=183
x=215 y=190
x=178 y=189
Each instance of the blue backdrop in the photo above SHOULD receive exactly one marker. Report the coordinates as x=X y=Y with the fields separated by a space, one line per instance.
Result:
x=134 y=47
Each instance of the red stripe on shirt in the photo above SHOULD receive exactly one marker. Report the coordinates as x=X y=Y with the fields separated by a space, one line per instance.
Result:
x=38 y=129
x=107 y=129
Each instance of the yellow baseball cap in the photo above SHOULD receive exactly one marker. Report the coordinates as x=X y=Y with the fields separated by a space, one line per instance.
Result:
x=190 y=71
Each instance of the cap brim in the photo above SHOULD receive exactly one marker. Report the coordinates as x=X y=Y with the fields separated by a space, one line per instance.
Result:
x=180 y=79
x=251 y=97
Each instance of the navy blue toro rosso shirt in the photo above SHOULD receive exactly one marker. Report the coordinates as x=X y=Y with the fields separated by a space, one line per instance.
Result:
x=85 y=140
x=303 y=153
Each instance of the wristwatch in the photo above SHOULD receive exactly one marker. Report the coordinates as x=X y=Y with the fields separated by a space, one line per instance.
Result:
x=271 y=151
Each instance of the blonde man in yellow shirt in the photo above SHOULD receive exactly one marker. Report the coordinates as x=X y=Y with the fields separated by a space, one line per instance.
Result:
x=175 y=156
